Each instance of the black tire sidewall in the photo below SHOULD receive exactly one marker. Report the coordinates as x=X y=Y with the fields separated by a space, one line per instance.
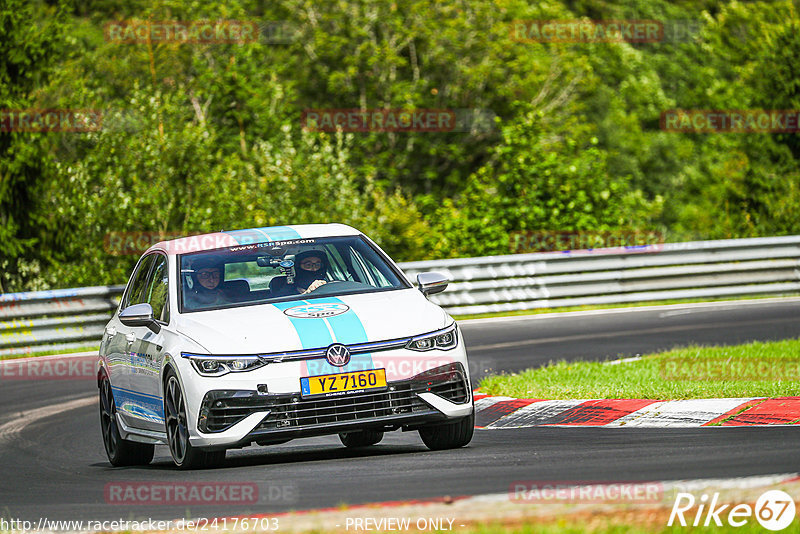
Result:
x=128 y=452
x=194 y=457
x=449 y=435
x=360 y=438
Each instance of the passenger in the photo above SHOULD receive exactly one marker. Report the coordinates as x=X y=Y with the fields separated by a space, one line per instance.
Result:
x=206 y=292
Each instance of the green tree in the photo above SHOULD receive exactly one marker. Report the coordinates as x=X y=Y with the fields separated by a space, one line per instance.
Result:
x=537 y=181
x=29 y=45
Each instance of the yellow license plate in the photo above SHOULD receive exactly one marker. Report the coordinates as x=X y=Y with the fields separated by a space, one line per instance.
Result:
x=343 y=383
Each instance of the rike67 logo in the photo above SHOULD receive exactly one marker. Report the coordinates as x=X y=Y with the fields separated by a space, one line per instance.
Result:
x=774 y=510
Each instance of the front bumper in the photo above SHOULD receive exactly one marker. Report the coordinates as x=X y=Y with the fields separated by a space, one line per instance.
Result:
x=235 y=418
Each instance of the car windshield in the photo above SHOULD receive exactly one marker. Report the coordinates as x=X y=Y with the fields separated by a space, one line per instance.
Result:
x=283 y=270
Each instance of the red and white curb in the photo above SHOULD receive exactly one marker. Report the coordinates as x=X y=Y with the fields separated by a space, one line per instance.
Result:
x=507 y=412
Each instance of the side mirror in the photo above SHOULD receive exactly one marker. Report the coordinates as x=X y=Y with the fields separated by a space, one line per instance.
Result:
x=139 y=315
x=432 y=283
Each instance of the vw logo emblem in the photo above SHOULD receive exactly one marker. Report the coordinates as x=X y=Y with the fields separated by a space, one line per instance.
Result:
x=337 y=355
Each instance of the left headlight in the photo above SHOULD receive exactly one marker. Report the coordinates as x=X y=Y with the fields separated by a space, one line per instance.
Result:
x=444 y=339
x=208 y=365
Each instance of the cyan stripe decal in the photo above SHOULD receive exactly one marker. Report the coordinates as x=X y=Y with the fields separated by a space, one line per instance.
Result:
x=248 y=237
x=313 y=332
x=347 y=325
x=316 y=333
x=261 y=235
x=279 y=233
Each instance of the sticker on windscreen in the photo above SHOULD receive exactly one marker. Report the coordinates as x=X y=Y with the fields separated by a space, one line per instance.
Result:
x=316 y=311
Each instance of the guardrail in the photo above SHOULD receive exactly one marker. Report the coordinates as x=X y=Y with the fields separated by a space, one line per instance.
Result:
x=697 y=269
x=71 y=318
x=60 y=319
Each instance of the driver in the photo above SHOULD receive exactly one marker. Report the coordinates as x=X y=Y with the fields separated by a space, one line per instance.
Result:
x=312 y=265
x=207 y=288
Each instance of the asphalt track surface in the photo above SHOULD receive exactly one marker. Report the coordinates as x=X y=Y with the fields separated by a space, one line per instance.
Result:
x=53 y=464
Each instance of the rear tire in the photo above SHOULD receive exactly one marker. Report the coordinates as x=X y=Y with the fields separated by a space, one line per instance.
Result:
x=362 y=438
x=449 y=435
x=120 y=452
x=183 y=453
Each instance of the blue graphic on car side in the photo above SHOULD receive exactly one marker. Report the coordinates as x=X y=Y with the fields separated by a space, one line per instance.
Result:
x=141 y=405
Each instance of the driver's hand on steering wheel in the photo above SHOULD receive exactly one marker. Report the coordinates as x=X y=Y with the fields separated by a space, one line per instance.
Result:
x=315 y=285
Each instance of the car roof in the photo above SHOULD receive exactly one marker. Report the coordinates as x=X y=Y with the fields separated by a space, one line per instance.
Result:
x=249 y=236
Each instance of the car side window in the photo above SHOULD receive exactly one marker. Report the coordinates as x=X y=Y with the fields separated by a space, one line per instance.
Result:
x=358 y=268
x=365 y=267
x=338 y=270
x=158 y=291
x=138 y=287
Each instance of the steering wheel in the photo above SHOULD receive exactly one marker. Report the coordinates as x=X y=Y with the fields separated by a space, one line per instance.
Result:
x=327 y=283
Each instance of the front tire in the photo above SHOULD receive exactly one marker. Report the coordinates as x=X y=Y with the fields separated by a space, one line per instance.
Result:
x=362 y=438
x=449 y=435
x=183 y=453
x=120 y=452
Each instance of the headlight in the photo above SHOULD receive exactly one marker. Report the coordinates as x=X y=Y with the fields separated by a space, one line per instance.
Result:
x=444 y=339
x=208 y=365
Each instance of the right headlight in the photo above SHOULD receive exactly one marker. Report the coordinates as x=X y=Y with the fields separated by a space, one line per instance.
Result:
x=207 y=365
x=444 y=339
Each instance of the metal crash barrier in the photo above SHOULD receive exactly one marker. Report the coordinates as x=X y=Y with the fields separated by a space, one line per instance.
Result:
x=60 y=319
x=697 y=269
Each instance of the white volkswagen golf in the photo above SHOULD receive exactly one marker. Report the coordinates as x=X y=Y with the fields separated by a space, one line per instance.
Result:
x=265 y=335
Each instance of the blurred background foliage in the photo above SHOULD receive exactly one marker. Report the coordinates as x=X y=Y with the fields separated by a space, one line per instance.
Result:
x=203 y=137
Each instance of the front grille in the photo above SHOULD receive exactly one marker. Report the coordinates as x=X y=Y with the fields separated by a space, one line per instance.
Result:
x=222 y=409
x=309 y=412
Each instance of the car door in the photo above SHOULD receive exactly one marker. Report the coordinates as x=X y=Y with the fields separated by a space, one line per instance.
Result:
x=122 y=340
x=145 y=361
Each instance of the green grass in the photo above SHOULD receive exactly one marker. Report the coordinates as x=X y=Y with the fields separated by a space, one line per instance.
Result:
x=753 y=370
x=538 y=311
